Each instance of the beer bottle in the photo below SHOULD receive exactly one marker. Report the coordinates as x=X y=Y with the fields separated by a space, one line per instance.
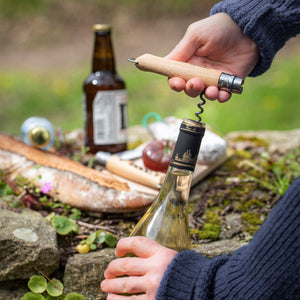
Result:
x=166 y=220
x=105 y=98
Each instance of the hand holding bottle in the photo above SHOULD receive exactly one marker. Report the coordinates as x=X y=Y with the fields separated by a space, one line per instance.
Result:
x=216 y=42
x=144 y=271
x=165 y=222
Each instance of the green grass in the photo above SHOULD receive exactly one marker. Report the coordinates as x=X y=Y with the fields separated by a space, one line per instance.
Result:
x=268 y=102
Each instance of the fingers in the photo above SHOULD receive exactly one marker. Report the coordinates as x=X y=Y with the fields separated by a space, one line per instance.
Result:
x=213 y=93
x=132 y=266
x=124 y=285
x=177 y=84
x=224 y=96
x=194 y=88
x=140 y=246
x=137 y=274
x=153 y=257
x=132 y=297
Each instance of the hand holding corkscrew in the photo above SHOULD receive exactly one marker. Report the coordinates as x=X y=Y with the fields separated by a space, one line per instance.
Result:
x=171 y=68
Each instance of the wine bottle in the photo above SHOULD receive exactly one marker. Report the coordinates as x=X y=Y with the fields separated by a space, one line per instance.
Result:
x=166 y=220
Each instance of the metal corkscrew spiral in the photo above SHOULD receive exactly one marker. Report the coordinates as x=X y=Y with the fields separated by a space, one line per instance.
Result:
x=200 y=104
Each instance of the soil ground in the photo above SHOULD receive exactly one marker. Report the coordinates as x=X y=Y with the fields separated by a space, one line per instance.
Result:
x=226 y=191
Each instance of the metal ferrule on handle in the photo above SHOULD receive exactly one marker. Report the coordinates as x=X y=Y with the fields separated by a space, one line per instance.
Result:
x=230 y=83
x=172 y=68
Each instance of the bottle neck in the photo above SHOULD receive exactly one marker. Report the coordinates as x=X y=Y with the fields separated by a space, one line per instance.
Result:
x=166 y=220
x=183 y=161
x=103 y=57
x=176 y=186
x=179 y=172
x=185 y=153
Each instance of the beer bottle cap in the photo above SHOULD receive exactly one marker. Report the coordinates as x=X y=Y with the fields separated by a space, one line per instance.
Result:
x=102 y=27
x=39 y=136
x=38 y=132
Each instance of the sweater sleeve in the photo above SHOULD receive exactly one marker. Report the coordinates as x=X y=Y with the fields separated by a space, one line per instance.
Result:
x=267 y=268
x=269 y=23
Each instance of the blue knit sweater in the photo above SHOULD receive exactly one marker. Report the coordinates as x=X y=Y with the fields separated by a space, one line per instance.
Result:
x=267 y=268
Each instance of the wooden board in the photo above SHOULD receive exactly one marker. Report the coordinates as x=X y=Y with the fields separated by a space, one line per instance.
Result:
x=201 y=171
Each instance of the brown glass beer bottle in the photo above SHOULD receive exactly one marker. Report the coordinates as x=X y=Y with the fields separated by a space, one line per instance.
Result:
x=105 y=98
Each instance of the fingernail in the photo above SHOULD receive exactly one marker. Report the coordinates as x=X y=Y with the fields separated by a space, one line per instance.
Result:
x=190 y=85
x=103 y=284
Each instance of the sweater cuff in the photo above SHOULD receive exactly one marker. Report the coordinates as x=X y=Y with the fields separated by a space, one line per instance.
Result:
x=181 y=275
x=264 y=22
x=189 y=276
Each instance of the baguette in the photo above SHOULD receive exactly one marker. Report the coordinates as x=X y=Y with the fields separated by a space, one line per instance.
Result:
x=72 y=183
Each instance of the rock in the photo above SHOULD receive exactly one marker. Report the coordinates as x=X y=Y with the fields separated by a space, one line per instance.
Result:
x=28 y=241
x=27 y=244
x=84 y=272
x=13 y=290
x=232 y=226
x=213 y=147
x=216 y=248
x=281 y=141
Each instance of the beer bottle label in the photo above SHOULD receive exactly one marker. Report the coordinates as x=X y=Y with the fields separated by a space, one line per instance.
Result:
x=110 y=117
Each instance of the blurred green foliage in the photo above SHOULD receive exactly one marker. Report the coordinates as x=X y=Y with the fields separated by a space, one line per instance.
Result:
x=16 y=8
x=268 y=102
x=150 y=9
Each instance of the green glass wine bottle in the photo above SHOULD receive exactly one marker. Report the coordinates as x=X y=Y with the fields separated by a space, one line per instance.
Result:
x=166 y=220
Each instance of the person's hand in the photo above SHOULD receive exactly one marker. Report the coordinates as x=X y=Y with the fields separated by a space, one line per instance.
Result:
x=144 y=272
x=215 y=42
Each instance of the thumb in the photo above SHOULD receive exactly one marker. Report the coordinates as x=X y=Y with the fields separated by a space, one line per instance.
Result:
x=184 y=50
x=138 y=245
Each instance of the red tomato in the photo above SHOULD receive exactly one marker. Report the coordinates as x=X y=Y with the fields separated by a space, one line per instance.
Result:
x=157 y=155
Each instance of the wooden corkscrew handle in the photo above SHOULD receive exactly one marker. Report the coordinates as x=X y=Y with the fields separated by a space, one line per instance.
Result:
x=172 y=68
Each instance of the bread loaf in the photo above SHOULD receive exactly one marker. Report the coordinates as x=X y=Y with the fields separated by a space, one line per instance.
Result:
x=72 y=183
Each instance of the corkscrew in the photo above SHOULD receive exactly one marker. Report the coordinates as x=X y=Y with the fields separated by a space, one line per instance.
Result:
x=171 y=68
x=200 y=104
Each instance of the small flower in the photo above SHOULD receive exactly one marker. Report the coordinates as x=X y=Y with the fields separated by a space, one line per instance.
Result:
x=46 y=187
